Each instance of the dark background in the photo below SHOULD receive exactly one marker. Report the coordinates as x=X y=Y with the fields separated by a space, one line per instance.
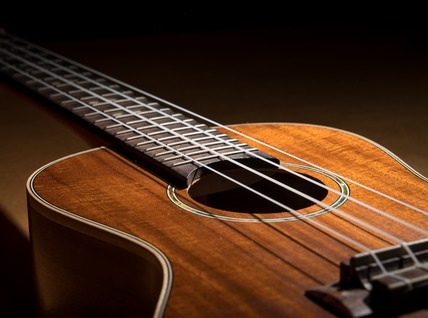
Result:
x=361 y=68
x=42 y=21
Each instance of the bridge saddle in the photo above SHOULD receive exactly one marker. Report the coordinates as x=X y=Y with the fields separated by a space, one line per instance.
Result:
x=387 y=282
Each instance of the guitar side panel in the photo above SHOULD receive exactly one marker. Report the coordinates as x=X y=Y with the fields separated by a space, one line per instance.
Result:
x=83 y=268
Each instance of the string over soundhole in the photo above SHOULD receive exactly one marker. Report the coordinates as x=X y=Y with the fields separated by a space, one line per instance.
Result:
x=250 y=193
x=270 y=197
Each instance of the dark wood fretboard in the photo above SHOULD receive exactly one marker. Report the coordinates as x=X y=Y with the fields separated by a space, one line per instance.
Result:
x=133 y=118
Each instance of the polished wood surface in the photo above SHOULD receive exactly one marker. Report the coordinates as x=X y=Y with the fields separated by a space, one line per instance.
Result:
x=369 y=79
x=222 y=268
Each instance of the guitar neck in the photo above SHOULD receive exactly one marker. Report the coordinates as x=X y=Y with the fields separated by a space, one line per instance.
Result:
x=139 y=122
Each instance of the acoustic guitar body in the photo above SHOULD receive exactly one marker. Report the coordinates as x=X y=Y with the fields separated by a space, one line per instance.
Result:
x=110 y=238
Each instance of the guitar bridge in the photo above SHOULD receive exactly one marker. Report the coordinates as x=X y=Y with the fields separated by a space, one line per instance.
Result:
x=382 y=283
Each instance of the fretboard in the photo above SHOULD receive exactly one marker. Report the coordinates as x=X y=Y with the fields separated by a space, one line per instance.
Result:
x=131 y=117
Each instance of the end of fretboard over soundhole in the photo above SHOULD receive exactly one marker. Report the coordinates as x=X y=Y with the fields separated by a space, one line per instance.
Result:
x=253 y=160
x=365 y=290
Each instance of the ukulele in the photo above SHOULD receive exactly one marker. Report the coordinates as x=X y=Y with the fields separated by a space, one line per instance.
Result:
x=184 y=217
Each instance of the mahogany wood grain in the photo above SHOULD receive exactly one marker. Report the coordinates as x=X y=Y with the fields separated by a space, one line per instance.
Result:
x=219 y=268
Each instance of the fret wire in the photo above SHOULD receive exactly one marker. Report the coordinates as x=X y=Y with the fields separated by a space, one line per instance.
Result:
x=239 y=151
x=190 y=126
x=150 y=111
x=122 y=132
x=171 y=144
x=102 y=119
x=163 y=124
x=146 y=127
x=118 y=101
x=69 y=101
x=107 y=103
x=188 y=147
x=217 y=142
x=75 y=91
x=181 y=128
x=208 y=137
x=162 y=117
x=260 y=194
x=167 y=138
x=86 y=98
x=182 y=149
x=213 y=156
x=43 y=88
x=155 y=148
x=176 y=129
x=111 y=110
x=228 y=146
x=205 y=150
x=77 y=107
x=134 y=137
x=145 y=142
x=185 y=162
x=135 y=106
x=160 y=154
x=90 y=114
x=119 y=124
x=139 y=129
x=179 y=142
x=179 y=156
x=158 y=133
x=191 y=160
x=197 y=152
x=124 y=116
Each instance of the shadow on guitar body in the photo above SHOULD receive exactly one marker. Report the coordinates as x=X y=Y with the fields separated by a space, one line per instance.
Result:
x=78 y=274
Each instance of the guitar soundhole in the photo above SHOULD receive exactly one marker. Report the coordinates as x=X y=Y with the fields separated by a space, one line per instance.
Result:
x=220 y=193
